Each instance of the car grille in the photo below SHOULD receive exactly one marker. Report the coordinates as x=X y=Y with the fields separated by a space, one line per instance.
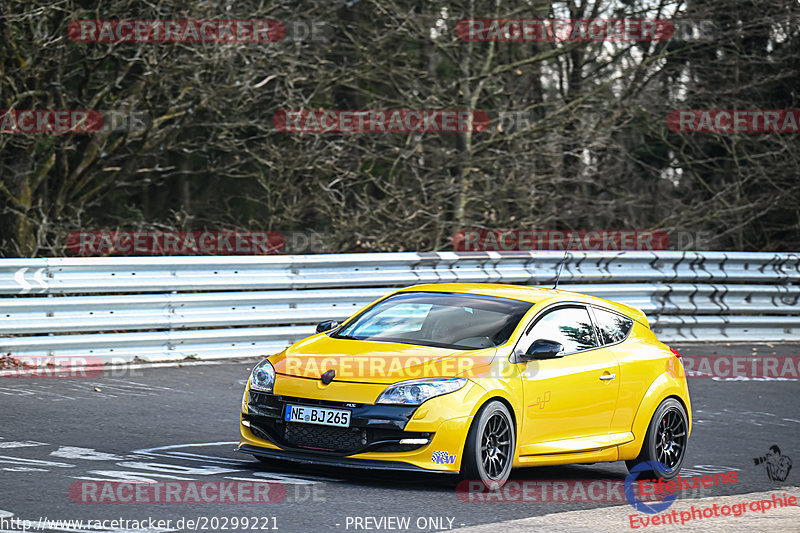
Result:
x=325 y=438
x=375 y=428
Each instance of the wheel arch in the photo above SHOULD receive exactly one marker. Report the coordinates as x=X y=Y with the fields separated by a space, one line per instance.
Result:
x=498 y=395
x=663 y=387
x=489 y=396
x=486 y=399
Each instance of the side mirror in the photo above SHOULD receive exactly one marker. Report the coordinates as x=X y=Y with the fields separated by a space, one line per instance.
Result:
x=544 y=349
x=327 y=325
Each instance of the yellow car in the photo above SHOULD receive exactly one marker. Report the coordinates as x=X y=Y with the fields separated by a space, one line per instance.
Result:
x=473 y=379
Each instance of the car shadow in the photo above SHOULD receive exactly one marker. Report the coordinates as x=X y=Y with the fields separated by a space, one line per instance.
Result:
x=436 y=482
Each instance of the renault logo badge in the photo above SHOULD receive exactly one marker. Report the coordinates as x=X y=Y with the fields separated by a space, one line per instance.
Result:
x=328 y=376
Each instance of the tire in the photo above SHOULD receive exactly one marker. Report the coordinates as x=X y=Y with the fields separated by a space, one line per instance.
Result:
x=490 y=446
x=665 y=442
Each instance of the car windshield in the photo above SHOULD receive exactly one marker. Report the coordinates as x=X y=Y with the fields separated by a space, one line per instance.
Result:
x=461 y=321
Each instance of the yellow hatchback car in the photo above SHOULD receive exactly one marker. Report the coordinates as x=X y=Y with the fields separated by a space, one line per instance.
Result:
x=473 y=379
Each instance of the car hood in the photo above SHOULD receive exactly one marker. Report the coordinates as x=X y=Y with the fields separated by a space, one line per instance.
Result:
x=376 y=362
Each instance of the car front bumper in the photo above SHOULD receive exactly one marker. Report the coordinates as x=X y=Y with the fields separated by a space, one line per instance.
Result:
x=373 y=440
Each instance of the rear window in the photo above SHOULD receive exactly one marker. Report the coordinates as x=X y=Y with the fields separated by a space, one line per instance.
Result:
x=612 y=327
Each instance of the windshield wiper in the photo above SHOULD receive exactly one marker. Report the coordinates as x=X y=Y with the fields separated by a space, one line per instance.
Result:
x=340 y=336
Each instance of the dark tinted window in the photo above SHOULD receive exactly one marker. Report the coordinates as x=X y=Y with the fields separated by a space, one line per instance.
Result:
x=570 y=326
x=611 y=326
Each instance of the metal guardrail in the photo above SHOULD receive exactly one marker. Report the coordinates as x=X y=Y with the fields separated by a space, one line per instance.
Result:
x=166 y=308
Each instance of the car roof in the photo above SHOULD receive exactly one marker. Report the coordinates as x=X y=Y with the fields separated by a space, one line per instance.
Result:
x=515 y=292
x=535 y=295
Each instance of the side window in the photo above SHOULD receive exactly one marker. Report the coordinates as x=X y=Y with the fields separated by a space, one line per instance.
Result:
x=570 y=326
x=611 y=326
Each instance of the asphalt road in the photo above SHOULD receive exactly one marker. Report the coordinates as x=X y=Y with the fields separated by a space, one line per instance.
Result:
x=180 y=423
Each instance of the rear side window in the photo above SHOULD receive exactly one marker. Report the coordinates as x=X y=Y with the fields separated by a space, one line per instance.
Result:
x=612 y=327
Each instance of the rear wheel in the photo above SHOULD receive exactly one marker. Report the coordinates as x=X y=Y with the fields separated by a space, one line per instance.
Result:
x=491 y=443
x=665 y=442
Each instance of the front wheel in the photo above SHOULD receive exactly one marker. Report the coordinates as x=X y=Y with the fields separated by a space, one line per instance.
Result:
x=665 y=442
x=490 y=446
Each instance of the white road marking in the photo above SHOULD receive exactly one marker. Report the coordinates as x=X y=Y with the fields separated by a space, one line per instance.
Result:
x=32 y=462
x=31 y=389
x=203 y=458
x=79 y=389
x=704 y=470
x=23 y=469
x=128 y=476
x=274 y=481
x=89 y=454
x=173 y=446
x=167 y=451
x=171 y=452
x=139 y=386
x=21 y=444
x=296 y=476
x=177 y=469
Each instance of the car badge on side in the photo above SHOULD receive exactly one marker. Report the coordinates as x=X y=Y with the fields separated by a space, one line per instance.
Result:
x=328 y=376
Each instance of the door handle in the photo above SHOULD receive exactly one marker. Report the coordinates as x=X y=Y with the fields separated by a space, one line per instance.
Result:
x=608 y=377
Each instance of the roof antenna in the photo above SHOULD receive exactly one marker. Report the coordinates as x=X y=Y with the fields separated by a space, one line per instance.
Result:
x=560 y=267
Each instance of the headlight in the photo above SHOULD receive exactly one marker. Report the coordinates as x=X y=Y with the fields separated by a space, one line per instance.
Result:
x=416 y=391
x=263 y=377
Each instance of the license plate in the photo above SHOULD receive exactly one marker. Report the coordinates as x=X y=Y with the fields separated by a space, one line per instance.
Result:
x=317 y=415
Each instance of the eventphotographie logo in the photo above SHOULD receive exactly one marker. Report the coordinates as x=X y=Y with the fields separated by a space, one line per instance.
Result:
x=776 y=464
